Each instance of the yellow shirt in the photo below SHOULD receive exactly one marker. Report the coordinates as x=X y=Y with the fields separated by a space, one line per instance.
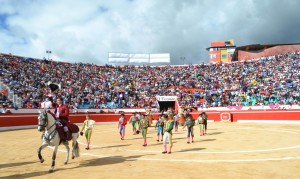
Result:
x=88 y=124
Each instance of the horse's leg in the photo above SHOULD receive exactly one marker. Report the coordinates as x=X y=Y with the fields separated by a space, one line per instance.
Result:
x=75 y=147
x=44 y=144
x=53 y=159
x=68 y=151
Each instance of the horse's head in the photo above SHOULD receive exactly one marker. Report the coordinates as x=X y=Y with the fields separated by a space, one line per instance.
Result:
x=42 y=120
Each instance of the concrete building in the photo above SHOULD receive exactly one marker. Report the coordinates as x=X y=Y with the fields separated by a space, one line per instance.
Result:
x=221 y=51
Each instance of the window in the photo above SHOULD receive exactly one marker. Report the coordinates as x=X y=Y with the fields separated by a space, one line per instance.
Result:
x=224 y=56
x=212 y=56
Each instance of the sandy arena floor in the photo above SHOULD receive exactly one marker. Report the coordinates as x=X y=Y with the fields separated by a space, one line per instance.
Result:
x=229 y=150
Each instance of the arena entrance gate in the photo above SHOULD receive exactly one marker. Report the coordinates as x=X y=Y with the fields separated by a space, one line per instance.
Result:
x=165 y=102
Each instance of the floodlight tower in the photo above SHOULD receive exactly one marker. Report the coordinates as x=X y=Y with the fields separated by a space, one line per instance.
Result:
x=48 y=52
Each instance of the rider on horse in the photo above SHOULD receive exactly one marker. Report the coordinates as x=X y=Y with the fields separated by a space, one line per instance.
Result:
x=61 y=113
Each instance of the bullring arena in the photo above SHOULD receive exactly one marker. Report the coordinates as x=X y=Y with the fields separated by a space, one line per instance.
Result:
x=97 y=63
x=229 y=150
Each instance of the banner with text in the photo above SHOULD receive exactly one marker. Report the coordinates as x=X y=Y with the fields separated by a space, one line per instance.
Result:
x=166 y=98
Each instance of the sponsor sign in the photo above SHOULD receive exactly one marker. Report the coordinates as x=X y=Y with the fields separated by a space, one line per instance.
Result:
x=166 y=98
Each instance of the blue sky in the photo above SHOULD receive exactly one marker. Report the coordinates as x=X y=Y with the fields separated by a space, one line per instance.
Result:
x=3 y=24
x=86 y=31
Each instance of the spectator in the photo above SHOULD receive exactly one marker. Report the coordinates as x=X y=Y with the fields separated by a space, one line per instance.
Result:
x=268 y=80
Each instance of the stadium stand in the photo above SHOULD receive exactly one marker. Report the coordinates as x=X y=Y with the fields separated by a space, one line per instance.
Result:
x=265 y=81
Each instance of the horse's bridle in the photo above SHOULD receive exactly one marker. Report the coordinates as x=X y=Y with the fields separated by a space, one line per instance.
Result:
x=46 y=120
x=46 y=135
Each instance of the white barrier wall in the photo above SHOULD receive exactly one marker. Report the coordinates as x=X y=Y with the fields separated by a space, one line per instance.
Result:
x=237 y=108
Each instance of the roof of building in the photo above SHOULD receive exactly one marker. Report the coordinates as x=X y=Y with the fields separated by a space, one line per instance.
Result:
x=255 y=48
x=227 y=46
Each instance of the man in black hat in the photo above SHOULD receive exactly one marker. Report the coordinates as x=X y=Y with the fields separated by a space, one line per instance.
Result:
x=53 y=87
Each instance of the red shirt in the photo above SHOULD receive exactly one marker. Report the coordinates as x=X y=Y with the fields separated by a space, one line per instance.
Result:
x=63 y=111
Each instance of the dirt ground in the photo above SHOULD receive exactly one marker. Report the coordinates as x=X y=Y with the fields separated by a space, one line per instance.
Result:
x=229 y=150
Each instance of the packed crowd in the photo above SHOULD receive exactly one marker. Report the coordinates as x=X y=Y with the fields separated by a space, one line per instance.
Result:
x=269 y=80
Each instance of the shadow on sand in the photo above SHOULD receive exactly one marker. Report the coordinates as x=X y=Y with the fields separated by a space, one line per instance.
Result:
x=214 y=133
x=87 y=163
x=111 y=146
x=192 y=149
x=207 y=140
x=159 y=143
x=15 y=164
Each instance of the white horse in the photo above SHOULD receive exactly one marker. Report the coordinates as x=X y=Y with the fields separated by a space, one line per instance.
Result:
x=47 y=123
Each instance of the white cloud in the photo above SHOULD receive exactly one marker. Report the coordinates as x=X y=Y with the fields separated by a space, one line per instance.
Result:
x=85 y=31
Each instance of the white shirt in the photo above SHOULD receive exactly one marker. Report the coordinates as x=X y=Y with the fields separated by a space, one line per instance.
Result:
x=57 y=112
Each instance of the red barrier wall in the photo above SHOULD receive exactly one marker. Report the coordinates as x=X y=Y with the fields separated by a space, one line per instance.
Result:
x=265 y=115
x=23 y=120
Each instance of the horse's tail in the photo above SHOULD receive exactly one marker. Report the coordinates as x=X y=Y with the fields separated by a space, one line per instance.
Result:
x=76 y=149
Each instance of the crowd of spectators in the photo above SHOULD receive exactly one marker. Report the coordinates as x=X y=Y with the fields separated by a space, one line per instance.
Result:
x=268 y=80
